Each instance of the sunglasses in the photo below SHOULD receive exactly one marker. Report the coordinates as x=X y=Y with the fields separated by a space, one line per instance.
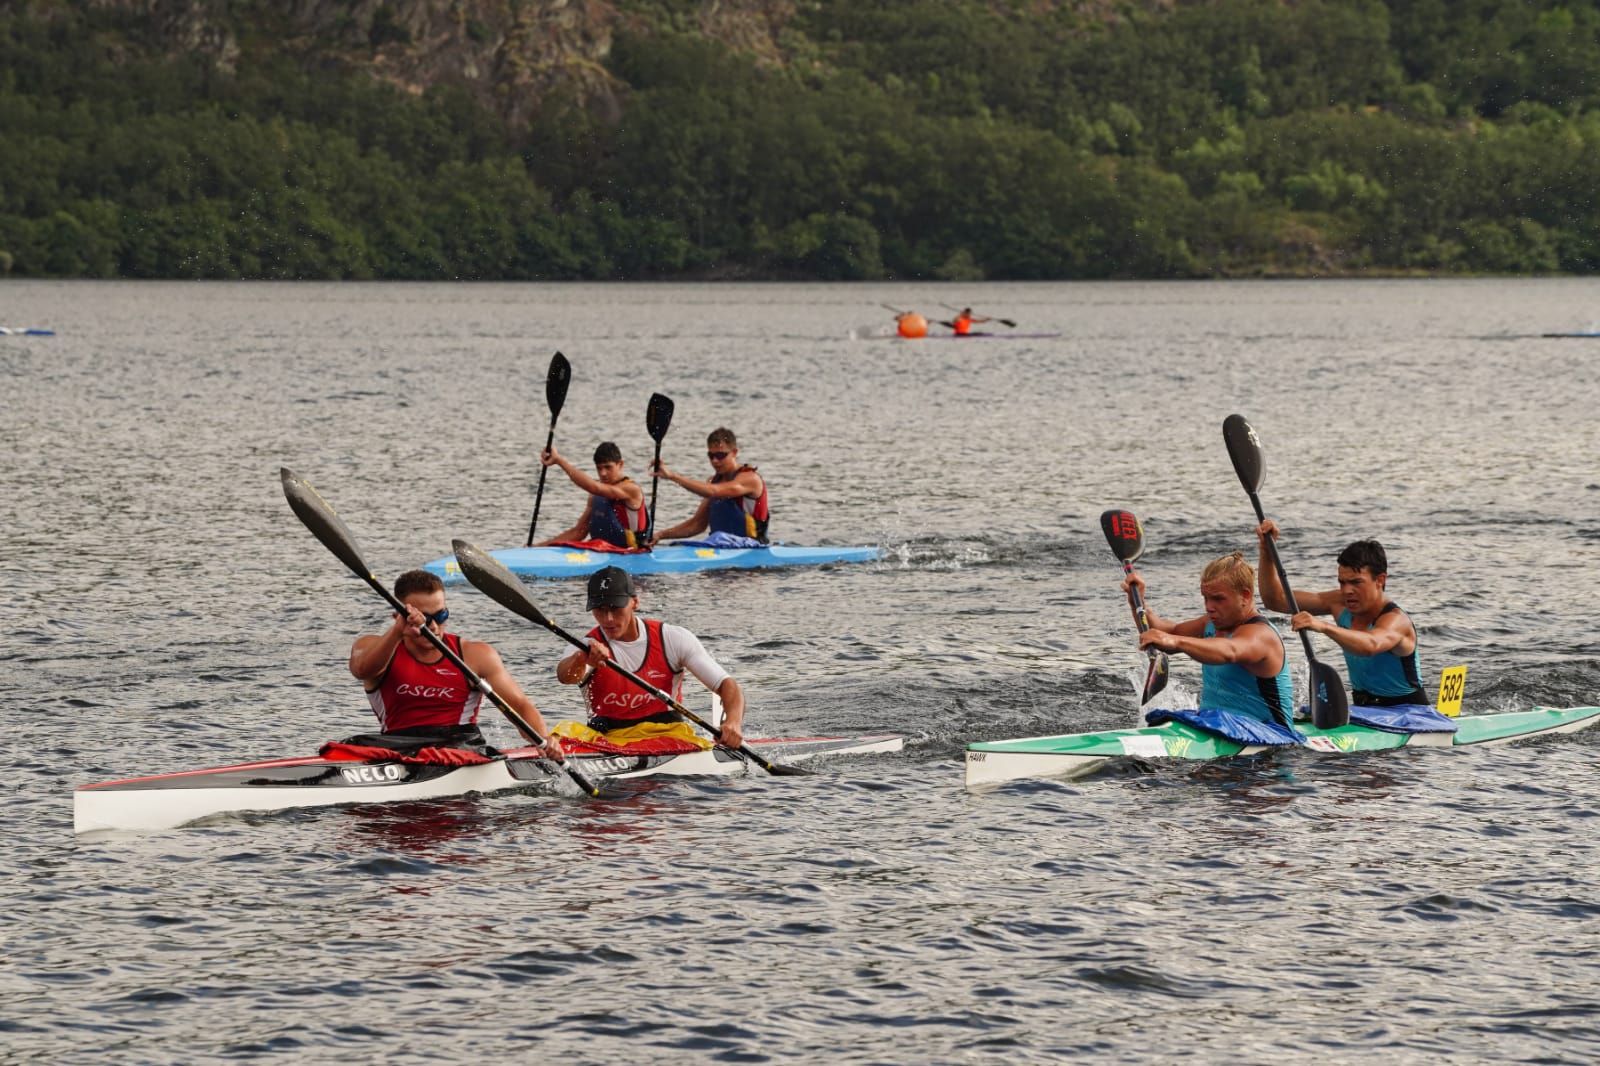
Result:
x=437 y=617
x=716 y=457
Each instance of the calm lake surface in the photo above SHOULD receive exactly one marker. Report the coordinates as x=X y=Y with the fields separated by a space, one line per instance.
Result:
x=169 y=612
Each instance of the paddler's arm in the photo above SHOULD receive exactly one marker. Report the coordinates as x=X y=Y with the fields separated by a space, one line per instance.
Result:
x=487 y=664
x=581 y=663
x=370 y=655
x=732 y=696
x=577 y=532
x=696 y=523
x=1388 y=633
x=746 y=484
x=1250 y=646
x=1272 y=594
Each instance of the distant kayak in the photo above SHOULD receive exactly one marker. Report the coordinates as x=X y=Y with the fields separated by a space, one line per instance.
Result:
x=25 y=331
x=984 y=336
x=667 y=559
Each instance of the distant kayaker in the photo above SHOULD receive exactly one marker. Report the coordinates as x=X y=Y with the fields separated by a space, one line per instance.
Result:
x=620 y=710
x=964 y=322
x=615 y=512
x=1378 y=638
x=415 y=691
x=735 y=499
x=1243 y=666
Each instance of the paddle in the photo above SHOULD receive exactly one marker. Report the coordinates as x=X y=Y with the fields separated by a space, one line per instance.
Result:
x=1126 y=538
x=657 y=417
x=1002 y=321
x=555 y=394
x=1329 y=705
x=502 y=586
x=320 y=517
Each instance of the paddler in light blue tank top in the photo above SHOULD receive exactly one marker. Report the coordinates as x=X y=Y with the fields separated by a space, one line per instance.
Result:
x=1243 y=666
x=1378 y=638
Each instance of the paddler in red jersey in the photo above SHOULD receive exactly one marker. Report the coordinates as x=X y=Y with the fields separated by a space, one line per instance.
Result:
x=615 y=512
x=735 y=499
x=621 y=712
x=415 y=691
x=964 y=322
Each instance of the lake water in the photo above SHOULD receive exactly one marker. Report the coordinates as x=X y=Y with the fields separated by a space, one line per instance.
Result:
x=172 y=613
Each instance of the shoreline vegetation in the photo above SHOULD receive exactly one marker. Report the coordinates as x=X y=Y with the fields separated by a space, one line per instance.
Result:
x=907 y=140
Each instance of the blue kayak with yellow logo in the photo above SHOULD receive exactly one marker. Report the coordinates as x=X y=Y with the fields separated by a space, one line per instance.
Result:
x=665 y=559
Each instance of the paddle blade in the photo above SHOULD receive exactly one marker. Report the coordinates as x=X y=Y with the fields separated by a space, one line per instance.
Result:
x=556 y=382
x=1330 y=708
x=491 y=578
x=325 y=524
x=1006 y=322
x=1244 y=448
x=658 y=416
x=1124 y=534
x=1156 y=678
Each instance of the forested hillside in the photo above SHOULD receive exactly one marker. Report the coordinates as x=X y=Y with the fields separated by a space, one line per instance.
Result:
x=834 y=139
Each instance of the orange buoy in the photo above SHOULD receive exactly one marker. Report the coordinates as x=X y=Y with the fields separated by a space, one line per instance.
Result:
x=912 y=325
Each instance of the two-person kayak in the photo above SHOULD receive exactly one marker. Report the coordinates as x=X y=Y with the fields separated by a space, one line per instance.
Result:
x=558 y=562
x=166 y=801
x=1077 y=754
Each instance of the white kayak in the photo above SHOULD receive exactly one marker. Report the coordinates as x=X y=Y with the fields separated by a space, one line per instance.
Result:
x=167 y=801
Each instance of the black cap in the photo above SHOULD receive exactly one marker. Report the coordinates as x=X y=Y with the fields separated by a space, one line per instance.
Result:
x=611 y=587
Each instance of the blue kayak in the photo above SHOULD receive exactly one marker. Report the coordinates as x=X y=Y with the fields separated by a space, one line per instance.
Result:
x=666 y=559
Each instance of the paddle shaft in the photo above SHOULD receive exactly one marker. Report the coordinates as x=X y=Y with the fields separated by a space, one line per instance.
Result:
x=1156 y=678
x=1283 y=577
x=1141 y=617
x=538 y=497
x=664 y=697
x=655 y=479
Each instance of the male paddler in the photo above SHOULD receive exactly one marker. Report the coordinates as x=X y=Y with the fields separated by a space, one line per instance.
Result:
x=1243 y=666
x=415 y=691
x=615 y=512
x=1378 y=638
x=735 y=499
x=620 y=710
x=964 y=322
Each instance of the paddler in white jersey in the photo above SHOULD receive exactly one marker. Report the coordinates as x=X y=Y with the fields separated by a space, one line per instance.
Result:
x=415 y=691
x=621 y=711
x=1378 y=638
x=1243 y=667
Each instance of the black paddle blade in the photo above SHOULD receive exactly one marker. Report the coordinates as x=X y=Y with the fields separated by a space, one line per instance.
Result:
x=325 y=524
x=556 y=382
x=1244 y=448
x=1330 y=707
x=1124 y=534
x=1006 y=322
x=1156 y=679
x=658 y=416
x=491 y=578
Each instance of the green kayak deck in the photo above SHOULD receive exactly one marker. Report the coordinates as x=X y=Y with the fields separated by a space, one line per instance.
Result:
x=1076 y=754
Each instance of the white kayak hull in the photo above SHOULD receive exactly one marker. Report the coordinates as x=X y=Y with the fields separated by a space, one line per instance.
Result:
x=167 y=801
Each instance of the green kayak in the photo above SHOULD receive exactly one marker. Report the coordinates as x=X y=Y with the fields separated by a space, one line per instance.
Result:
x=1077 y=754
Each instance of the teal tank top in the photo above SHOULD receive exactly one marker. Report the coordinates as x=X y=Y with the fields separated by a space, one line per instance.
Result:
x=1386 y=679
x=1231 y=687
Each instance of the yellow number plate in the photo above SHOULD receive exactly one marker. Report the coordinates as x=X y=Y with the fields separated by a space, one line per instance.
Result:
x=1452 y=683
